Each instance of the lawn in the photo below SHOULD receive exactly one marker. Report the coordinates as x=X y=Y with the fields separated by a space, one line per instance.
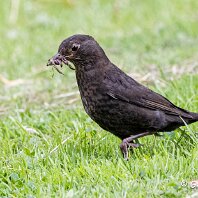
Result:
x=49 y=146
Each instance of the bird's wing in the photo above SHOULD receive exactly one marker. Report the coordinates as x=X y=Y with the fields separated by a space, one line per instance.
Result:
x=141 y=96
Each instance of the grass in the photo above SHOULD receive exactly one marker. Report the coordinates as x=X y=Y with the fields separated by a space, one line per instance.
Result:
x=49 y=146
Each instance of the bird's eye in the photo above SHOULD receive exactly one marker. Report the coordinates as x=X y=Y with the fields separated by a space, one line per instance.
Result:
x=75 y=47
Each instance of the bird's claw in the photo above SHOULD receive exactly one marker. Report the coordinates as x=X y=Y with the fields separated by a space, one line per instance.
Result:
x=125 y=146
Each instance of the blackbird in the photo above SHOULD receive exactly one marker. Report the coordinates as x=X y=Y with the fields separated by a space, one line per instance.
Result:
x=114 y=100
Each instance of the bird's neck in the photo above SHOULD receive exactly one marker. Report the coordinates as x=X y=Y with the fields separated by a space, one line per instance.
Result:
x=96 y=63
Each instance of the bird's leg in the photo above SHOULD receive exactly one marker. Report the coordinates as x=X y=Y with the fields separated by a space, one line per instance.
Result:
x=128 y=142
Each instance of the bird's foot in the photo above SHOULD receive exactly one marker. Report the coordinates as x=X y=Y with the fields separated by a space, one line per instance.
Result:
x=125 y=146
x=128 y=142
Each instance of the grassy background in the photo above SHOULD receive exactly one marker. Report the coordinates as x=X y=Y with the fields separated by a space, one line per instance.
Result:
x=49 y=146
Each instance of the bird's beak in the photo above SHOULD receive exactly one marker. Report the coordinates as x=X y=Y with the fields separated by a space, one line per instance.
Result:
x=58 y=59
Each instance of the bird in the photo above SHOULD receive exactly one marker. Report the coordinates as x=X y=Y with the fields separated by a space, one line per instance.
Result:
x=114 y=100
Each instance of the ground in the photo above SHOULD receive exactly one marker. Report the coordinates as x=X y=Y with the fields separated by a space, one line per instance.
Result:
x=49 y=146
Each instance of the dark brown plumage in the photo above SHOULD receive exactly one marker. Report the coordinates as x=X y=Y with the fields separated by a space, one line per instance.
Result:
x=113 y=99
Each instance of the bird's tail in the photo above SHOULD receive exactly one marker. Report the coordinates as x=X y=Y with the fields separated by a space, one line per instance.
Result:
x=193 y=119
x=195 y=116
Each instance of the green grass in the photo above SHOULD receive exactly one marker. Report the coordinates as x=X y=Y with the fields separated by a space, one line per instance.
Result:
x=49 y=146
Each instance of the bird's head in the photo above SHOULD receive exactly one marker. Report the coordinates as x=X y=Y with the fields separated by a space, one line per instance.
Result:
x=78 y=49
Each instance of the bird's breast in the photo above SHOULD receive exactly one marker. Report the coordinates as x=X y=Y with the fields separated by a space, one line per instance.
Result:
x=91 y=90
